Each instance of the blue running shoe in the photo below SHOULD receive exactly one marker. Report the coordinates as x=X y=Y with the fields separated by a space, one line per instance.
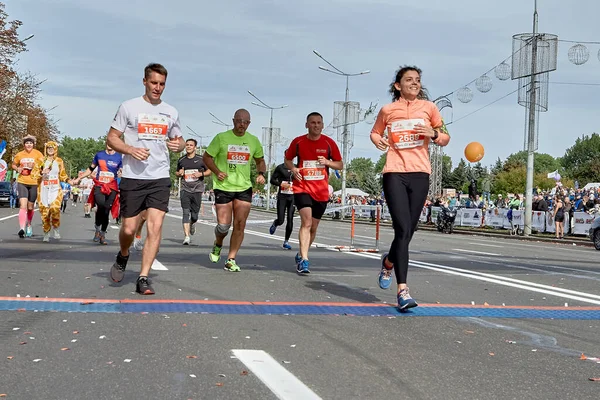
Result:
x=385 y=275
x=297 y=258
x=286 y=246
x=405 y=301
x=302 y=267
x=273 y=228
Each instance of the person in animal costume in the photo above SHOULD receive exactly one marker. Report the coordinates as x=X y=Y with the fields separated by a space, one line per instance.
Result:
x=50 y=172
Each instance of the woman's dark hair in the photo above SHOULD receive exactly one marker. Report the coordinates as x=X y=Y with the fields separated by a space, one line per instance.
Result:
x=423 y=95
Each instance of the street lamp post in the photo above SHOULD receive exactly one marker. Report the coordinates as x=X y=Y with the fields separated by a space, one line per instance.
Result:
x=345 y=144
x=262 y=104
x=219 y=122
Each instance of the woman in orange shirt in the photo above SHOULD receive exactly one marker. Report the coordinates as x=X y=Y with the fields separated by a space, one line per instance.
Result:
x=404 y=129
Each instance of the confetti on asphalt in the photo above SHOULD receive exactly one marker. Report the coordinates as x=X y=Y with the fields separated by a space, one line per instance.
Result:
x=215 y=337
x=22 y=343
x=472 y=303
x=64 y=320
x=191 y=356
x=65 y=349
x=102 y=337
x=485 y=303
x=26 y=333
x=127 y=360
x=594 y=379
x=16 y=329
x=4 y=394
x=458 y=341
x=93 y=322
x=582 y=357
x=247 y=337
x=244 y=372
x=37 y=360
x=471 y=332
x=10 y=357
x=534 y=350
x=219 y=384
x=222 y=375
x=192 y=376
x=183 y=324
x=286 y=362
x=566 y=304
x=511 y=342
x=109 y=362
x=492 y=354
x=73 y=341
x=292 y=345
x=75 y=332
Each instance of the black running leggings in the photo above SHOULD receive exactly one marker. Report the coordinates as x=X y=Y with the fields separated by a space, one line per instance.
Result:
x=405 y=195
x=104 y=204
x=285 y=203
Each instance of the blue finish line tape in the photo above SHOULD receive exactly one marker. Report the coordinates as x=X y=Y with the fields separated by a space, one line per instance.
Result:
x=265 y=308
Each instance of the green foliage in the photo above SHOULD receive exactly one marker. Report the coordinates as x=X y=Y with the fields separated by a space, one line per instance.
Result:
x=361 y=174
x=381 y=163
x=582 y=160
x=78 y=153
x=446 y=171
x=458 y=177
x=542 y=162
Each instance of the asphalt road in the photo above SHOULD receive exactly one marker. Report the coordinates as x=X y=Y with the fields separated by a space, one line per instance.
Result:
x=327 y=335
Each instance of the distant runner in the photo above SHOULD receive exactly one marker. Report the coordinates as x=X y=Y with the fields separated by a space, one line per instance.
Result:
x=283 y=178
x=27 y=186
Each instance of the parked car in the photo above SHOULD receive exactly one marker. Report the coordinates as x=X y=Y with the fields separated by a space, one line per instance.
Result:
x=595 y=233
x=5 y=194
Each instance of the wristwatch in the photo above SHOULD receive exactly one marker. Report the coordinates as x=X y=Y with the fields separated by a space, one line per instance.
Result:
x=435 y=135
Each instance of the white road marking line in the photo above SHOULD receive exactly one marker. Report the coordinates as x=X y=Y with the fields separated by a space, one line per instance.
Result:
x=487 y=244
x=14 y=215
x=476 y=252
x=278 y=379
x=534 y=287
x=115 y=227
x=158 y=266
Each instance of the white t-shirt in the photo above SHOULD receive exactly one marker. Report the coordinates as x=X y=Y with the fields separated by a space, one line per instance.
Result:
x=86 y=185
x=147 y=125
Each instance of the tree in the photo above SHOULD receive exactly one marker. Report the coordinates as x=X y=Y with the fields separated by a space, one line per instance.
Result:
x=542 y=162
x=381 y=163
x=459 y=177
x=78 y=153
x=582 y=160
x=361 y=174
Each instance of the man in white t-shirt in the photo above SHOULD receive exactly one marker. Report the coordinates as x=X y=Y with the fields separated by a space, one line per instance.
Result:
x=150 y=128
x=86 y=186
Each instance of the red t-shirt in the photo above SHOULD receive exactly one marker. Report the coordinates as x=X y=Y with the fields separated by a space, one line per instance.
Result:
x=315 y=176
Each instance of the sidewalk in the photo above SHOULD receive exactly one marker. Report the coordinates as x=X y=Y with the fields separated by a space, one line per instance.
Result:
x=486 y=232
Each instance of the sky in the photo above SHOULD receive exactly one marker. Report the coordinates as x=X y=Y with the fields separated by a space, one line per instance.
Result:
x=92 y=55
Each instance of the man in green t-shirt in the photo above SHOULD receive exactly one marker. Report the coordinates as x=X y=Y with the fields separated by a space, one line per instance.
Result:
x=228 y=157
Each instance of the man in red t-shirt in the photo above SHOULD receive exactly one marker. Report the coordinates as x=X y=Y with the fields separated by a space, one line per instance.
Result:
x=316 y=153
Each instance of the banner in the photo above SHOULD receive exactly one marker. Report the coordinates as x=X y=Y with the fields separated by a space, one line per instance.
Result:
x=469 y=217
x=434 y=213
x=583 y=223
x=495 y=217
x=538 y=221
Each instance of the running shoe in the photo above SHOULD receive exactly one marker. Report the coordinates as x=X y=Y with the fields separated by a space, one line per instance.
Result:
x=405 y=301
x=192 y=229
x=56 y=233
x=46 y=237
x=29 y=231
x=231 y=266
x=97 y=235
x=117 y=271
x=21 y=233
x=143 y=286
x=138 y=244
x=273 y=228
x=302 y=267
x=215 y=254
x=385 y=275
x=102 y=239
x=297 y=258
x=286 y=246
x=186 y=241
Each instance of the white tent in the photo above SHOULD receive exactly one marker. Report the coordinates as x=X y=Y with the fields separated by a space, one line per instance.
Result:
x=351 y=192
x=591 y=186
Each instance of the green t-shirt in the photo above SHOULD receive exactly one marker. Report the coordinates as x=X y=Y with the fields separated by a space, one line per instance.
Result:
x=233 y=155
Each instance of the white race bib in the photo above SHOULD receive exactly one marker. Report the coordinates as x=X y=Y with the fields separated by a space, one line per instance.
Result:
x=238 y=154
x=152 y=127
x=188 y=175
x=106 y=176
x=313 y=171
x=403 y=135
x=287 y=187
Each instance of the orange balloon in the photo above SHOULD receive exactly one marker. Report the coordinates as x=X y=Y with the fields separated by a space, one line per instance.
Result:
x=474 y=152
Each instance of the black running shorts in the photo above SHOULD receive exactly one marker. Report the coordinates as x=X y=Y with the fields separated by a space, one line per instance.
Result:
x=302 y=200
x=138 y=195
x=28 y=192
x=223 y=197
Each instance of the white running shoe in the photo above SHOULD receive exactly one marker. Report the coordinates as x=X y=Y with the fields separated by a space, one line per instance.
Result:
x=138 y=244
x=56 y=233
x=186 y=241
x=46 y=237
